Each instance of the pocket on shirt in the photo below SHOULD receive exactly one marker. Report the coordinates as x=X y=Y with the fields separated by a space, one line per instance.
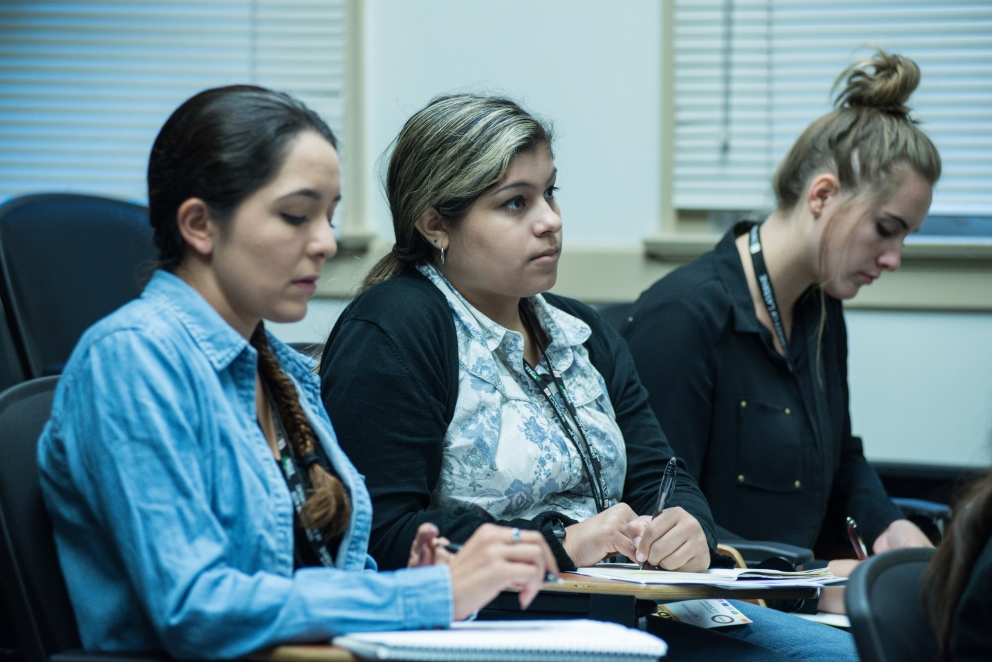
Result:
x=770 y=446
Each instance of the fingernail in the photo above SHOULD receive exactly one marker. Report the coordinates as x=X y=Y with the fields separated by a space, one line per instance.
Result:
x=641 y=557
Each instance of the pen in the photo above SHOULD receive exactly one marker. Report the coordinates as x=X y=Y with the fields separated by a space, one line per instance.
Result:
x=665 y=489
x=856 y=541
x=455 y=547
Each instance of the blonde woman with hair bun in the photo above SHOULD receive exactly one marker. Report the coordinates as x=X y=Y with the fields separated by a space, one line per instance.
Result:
x=744 y=351
x=467 y=394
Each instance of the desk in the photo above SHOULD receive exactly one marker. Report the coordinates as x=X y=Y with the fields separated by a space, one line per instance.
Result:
x=611 y=594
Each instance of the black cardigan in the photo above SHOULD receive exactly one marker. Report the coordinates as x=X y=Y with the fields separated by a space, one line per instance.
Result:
x=772 y=450
x=389 y=377
x=971 y=631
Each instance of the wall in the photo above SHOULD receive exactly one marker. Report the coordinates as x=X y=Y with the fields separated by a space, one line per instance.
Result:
x=921 y=382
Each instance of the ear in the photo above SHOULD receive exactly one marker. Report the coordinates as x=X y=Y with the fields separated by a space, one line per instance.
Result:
x=432 y=229
x=196 y=226
x=822 y=191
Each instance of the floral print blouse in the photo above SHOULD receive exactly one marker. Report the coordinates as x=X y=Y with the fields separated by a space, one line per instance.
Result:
x=505 y=452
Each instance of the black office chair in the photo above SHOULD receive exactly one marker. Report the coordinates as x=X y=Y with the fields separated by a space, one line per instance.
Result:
x=886 y=610
x=67 y=260
x=10 y=363
x=32 y=579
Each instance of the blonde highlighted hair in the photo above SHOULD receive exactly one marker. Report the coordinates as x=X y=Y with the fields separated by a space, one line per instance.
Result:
x=445 y=157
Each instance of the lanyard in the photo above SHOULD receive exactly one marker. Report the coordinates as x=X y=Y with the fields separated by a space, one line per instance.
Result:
x=767 y=293
x=587 y=453
x=297 y=490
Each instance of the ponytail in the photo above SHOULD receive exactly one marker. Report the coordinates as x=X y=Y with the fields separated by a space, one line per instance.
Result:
x=327 y=507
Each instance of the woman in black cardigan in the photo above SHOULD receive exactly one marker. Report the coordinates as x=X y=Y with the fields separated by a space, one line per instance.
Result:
x=435 y=376
x=744 y=352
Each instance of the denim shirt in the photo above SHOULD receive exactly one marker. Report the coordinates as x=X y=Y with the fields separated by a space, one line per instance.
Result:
x=173 y=524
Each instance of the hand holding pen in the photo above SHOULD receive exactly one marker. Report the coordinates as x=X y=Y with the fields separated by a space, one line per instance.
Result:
x=856 y=541
x=665 y=489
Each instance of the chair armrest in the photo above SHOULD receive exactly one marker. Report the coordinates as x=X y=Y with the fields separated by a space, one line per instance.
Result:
x=932 y=509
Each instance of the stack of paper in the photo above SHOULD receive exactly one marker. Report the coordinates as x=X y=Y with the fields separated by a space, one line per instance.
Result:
x=520 y=641
x=732 y=578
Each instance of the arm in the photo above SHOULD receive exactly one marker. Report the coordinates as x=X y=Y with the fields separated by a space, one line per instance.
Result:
x=389 y=396
x=137 y=455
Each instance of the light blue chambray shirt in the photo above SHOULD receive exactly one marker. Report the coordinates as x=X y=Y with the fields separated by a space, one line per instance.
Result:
x=173 y=524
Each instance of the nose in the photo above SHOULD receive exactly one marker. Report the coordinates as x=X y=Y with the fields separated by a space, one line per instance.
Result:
x=322 y=245
x=891 y=257
x=550 y=220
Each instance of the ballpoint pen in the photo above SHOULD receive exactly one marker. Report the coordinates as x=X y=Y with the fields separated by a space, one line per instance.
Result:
x=455 y=547
x=665 y=489
x=856 y=541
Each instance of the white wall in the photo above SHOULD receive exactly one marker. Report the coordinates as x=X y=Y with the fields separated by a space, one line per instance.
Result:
x=591 y=67
x=921 y=383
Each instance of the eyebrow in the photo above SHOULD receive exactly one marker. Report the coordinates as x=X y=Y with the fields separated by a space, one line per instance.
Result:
x=905 y=225
x=523 y=184
x=306 y=192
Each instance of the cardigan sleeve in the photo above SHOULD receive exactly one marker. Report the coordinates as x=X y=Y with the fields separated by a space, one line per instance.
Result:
x=856 y=485
x=648 y=450
x=389 y=378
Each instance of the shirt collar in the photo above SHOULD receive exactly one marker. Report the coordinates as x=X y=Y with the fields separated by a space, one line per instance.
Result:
x=565 y=331
x=215 y=337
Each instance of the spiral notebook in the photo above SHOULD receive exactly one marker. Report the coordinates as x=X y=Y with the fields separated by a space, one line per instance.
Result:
x=510 y=641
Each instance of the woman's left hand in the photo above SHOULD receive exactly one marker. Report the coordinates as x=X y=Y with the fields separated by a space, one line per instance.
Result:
x=673 y=540
x=428 y=548
x=901 y=533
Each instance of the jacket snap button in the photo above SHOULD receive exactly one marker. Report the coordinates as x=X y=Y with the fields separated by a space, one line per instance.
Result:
x=798 y=483
x=630 y=319
x=743 y=403
x=788 y=411
x=740 y=479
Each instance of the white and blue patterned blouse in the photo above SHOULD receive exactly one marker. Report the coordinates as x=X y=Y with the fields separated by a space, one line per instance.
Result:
x=505 y=452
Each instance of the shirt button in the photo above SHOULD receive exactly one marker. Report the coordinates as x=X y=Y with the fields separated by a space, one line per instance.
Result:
x=743 y=403
x=798 y=484
x=630 y=319
x=788 y=411
x=740 y=479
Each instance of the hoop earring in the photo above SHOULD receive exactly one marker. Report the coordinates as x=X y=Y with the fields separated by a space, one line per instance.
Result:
x=442 y=256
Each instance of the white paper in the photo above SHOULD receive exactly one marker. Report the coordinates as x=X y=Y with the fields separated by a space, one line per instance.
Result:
x=732 y=578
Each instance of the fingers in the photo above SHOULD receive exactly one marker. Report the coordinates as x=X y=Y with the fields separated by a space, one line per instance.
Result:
x=674 y=541
x=422 y=549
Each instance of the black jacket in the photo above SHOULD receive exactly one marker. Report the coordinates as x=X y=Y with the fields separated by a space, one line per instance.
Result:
x=771 y=450
x=971 y=631
x=390 y=384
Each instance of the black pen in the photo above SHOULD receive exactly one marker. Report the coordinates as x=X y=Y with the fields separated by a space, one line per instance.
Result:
x=455 y=547
x=665 y=489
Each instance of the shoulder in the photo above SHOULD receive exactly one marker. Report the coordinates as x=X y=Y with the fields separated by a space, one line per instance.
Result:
x=404 y=302
x=693 y=296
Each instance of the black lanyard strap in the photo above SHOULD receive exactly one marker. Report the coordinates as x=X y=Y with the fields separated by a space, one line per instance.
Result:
x=578 y=435
x=293 y=474
x=767 y=293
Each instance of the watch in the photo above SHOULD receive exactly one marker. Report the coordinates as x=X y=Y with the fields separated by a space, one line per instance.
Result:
x=558 y=528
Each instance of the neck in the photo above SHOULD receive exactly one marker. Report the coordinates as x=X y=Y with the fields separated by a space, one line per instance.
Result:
x=505 y=311
x=789 y=269
x=201 y=278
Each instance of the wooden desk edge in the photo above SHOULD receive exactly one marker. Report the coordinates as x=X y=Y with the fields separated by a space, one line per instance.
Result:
x=304 y=653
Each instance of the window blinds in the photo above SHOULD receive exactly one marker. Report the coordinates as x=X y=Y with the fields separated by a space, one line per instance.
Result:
x=86 y=85
x=750 y=75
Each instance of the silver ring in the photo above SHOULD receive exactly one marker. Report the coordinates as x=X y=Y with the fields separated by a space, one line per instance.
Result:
x=515 y=535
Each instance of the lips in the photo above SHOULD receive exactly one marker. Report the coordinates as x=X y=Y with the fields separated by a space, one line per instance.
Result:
x=551 y=252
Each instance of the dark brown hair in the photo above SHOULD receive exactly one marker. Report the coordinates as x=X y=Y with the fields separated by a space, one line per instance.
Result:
x=327 y=507
x=949 y=572
x=220 y=146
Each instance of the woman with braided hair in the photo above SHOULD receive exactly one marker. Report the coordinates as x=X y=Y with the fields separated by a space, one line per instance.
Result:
x=201 y=503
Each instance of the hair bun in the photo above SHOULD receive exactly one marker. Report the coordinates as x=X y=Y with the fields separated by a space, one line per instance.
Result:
x=883 y=82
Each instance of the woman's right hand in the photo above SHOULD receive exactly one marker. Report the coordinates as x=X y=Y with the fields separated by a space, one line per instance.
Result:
x=602 y=535
x=491 y=562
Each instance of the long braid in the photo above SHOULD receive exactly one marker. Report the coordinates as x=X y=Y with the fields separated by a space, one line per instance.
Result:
x=327 y=506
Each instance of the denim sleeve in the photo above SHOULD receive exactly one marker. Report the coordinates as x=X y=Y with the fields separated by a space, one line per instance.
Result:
x=133 y=425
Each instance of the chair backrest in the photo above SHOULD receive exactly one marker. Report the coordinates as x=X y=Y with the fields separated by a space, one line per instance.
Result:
x=29 y=567
x=886 y=609
x=67 y=260
x=615 y=314
x=11 y=371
